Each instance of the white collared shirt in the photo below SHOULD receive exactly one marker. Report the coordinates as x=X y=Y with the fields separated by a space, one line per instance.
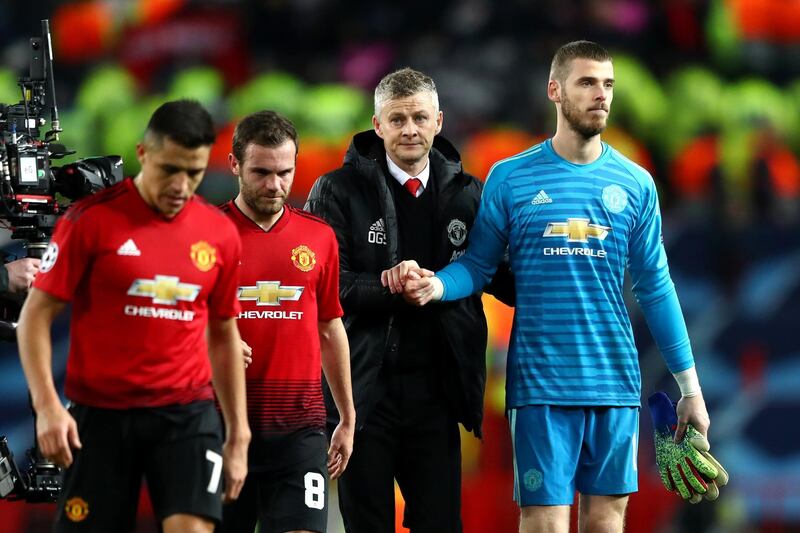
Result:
x=402 y=176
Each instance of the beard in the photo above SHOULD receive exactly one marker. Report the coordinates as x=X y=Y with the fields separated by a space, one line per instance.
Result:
x=588 y=126
x=263 y=205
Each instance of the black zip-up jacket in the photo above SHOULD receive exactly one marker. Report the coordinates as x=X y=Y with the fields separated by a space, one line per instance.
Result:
x=356 y=201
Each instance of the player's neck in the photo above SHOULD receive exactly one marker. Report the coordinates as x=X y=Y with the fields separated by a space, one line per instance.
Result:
x=138 y=183
x=575 y=148
x=265 y=221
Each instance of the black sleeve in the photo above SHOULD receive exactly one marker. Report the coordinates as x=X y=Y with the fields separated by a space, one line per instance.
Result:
x=502 y=284
x=4 y=279
x=359 y=292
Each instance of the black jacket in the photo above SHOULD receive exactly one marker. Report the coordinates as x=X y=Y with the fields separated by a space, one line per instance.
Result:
x=357 y=202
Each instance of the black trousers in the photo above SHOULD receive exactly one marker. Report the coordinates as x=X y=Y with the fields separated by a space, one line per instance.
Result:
x=411 y=437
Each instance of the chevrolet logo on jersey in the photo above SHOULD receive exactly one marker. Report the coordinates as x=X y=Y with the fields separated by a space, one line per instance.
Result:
x=270 y=293
x=166 y=290
x=576 y=230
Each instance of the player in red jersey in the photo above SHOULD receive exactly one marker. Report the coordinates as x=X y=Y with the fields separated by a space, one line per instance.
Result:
x=289 y=293
x=148 y=268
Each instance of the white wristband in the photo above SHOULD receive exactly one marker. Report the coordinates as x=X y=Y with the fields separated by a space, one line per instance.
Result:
x=438 y=289
x=688 y=382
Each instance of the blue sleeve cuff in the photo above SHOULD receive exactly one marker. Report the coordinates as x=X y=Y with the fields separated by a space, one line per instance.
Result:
x=457 y=282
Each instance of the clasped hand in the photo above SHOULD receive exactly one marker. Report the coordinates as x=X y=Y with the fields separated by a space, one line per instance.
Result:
x=410 y=280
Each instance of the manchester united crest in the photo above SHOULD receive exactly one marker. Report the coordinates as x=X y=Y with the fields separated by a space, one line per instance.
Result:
x=203 y=255
x=456 y=232
x=76 y=509
x=304 y=258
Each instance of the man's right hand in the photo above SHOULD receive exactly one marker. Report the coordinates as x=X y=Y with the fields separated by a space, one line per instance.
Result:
x=21 y=273
x=234 y=465
x=57 y=434
x=340 y=450
x=692 y=410
x=396 y=277
x=685 y=467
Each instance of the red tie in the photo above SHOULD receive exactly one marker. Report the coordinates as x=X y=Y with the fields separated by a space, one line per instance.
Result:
x=412 y=186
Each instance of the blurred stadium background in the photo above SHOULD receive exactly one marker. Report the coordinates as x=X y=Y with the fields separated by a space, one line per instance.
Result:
x=707 y=98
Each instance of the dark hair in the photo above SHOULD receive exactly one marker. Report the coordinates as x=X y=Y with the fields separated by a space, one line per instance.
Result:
x=185 y=122
x=559 y=68
x=264 y=128
x=403 y=83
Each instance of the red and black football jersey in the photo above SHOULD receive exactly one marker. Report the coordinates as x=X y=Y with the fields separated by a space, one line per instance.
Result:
x=142 y=288
x=289 y=281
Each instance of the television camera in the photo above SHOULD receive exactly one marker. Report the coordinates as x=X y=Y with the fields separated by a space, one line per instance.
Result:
x=40 y=483
x=28 y=182
x=30 y=203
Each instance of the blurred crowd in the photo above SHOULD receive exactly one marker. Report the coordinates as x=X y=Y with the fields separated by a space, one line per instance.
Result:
x=707 y=98
x=708 y=92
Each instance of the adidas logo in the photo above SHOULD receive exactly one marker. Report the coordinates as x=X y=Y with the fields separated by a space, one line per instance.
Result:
x=541 y=198
x=129 y=248
x=377 y=225
x=377 y=233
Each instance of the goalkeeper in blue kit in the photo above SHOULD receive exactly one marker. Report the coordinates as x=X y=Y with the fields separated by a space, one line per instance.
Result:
x=573 y=214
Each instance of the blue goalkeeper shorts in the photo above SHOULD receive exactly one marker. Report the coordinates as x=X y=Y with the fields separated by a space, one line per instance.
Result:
x=560 y=449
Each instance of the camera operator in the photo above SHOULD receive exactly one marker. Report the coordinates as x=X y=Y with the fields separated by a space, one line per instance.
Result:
x=17 y=276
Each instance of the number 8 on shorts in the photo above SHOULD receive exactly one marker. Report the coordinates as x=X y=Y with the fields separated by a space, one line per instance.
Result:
x=315 y=490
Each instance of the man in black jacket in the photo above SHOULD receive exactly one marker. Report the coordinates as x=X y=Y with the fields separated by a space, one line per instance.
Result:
x=417 y=372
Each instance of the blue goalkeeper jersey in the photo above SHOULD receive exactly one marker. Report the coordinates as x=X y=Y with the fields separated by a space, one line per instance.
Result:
x=571 y=231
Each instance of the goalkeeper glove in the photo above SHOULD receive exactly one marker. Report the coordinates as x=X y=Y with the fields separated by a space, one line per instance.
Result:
x=700 y=443
x=686 y=468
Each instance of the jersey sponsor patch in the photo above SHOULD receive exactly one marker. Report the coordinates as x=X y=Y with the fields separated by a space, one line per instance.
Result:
x=270 y=293
x=304 y=258
x=49 y=258
x=589 y=252
x=76 y=509
x=148 y=311
x=271 y=315
x=165 y=290
x=576 y=230
x=203 y=255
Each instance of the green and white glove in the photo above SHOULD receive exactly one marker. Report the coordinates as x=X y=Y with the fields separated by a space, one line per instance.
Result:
x=687 y=467
x=697 y=441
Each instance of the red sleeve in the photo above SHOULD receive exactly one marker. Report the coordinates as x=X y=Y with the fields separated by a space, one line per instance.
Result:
x=328 y=288
x=223 y=302
x=66 y=258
